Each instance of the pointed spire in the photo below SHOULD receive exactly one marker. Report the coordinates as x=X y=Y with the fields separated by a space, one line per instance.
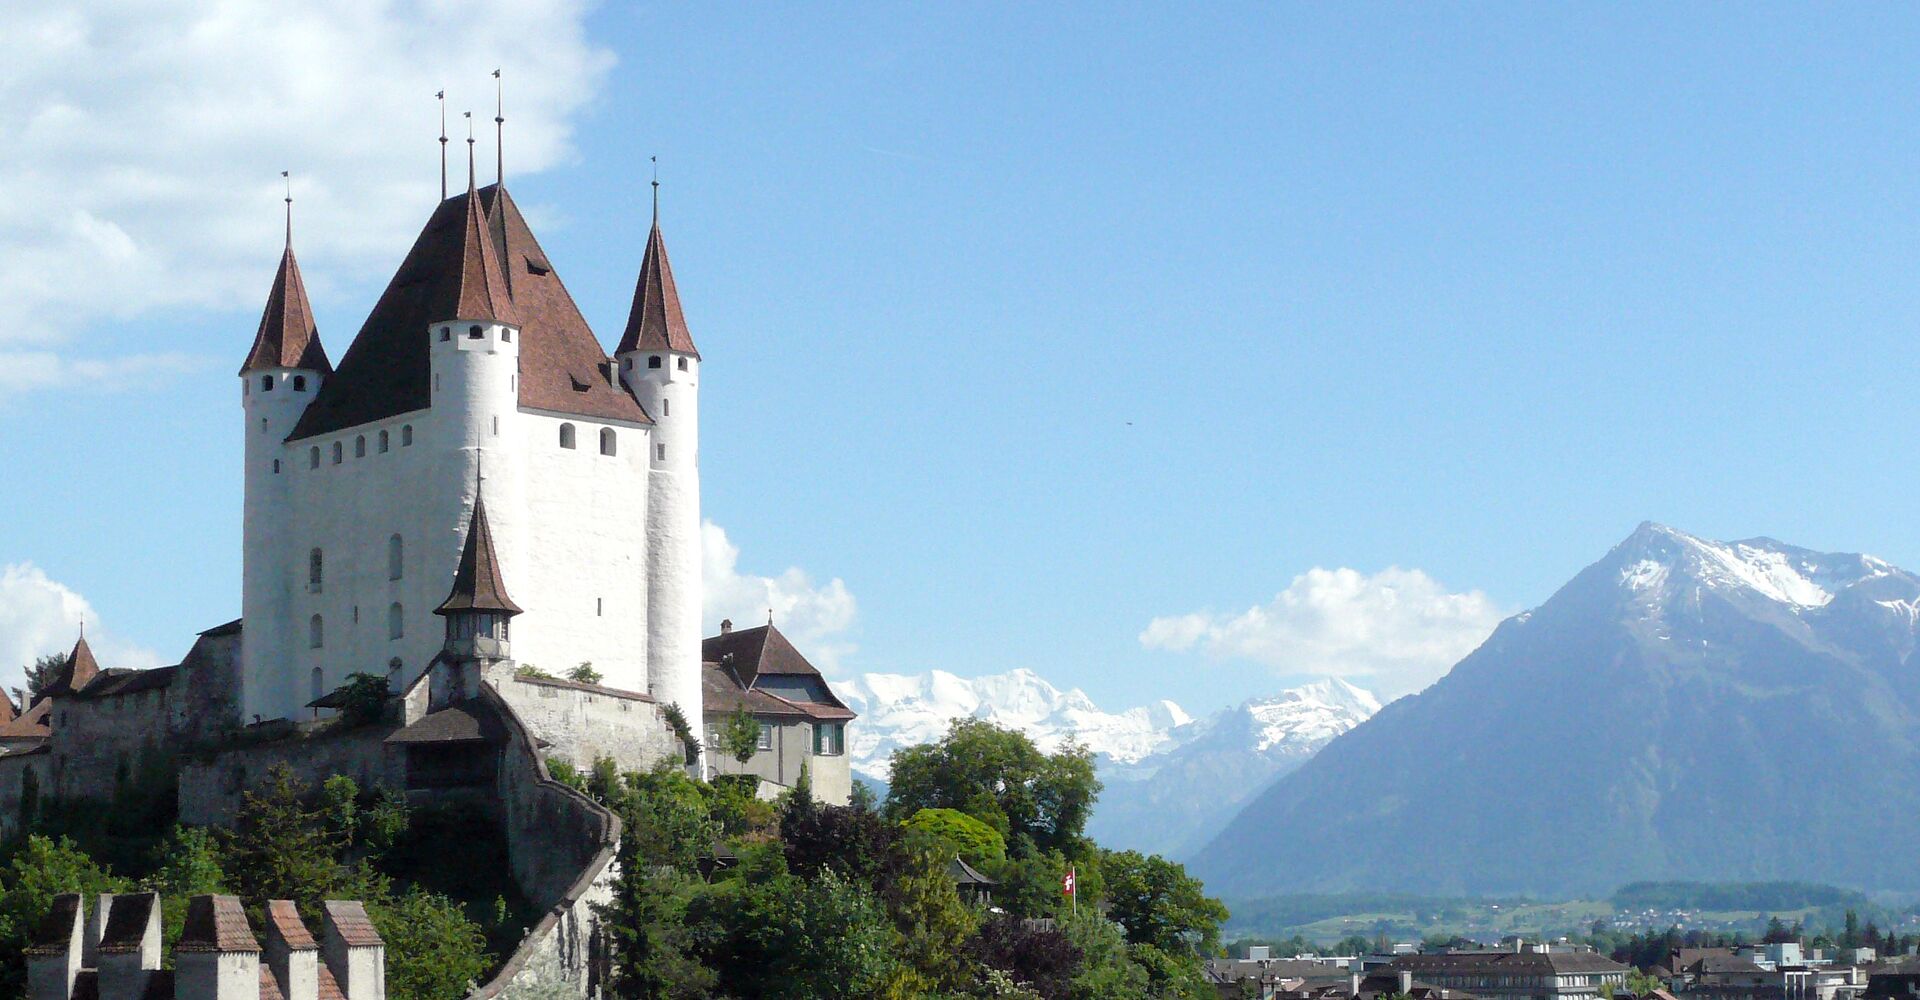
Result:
x=481 y=292
x=477 y=585
x=287 y=336
x=656 y=322
x=80 y=670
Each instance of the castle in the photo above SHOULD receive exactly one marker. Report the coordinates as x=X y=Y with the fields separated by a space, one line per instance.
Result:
x=476 y=489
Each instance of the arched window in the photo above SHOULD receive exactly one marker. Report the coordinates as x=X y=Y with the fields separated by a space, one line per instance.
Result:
x=607 y=444
x=566 y=435
x=395 y=549
x=683 y=364
x=266 y=383
x=360 y=446
x=654 y=361
x=406 y=435
x=315 y=565
x=383 y=442
x=473 y=332
x=338 y=452
x=316 y=636
x=317 y=683
x=313 y=457
x=299 y=383
x=396 y=621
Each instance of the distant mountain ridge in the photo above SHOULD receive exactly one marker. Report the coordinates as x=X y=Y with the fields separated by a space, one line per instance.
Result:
x=1681 y=709
x=1171 y=781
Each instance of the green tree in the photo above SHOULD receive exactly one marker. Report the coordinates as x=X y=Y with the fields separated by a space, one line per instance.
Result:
x=739 y=735
x=282 y=848
x=585 y=674
x=1000 y=777
x=187 y=864
x=652 y=939
x=932 y=922
x=41 y=673
x=972 y=840
x=42 y=869
x=1106 y=970
x=1160 y=905
x=666 y=821
x=801 y=939
x=433 y=951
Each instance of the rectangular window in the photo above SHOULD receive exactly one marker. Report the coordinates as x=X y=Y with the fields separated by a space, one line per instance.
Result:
x=829 y=739
x=766 y=736
x=659 y=452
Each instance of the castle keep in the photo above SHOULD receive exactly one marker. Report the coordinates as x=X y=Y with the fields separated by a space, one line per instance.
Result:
x=476 y=488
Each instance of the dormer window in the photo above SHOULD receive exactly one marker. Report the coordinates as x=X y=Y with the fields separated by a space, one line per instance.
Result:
x=653 y=362
x=506 y=336
x=683 y=364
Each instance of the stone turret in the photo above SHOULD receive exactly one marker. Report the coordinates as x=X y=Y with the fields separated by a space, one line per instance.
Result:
x=661 y=367
x=478 y=613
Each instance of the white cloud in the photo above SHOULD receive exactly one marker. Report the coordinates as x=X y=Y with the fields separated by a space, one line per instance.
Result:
x=1399 y=627
x=39 y=615
x=145 y=143
x=817 y=617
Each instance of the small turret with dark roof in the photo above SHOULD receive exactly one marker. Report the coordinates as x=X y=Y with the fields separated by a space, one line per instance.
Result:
x=481 y=291
x=656 y=322
x=79 y=671
x=288 y=336
x=477 y=585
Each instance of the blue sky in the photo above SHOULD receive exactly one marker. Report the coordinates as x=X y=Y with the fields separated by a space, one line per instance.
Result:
x=1034 y=324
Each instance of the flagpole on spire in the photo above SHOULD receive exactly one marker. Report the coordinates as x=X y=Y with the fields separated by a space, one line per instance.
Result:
x=499 y=130
x=656 y=189
x=469 y=115
x=441 y=96
x=287 y=175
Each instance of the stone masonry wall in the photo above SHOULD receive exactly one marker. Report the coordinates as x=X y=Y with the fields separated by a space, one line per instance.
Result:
x=583 y=723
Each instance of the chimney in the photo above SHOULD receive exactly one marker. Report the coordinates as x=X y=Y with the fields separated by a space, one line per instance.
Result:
x=96 y=926
x=216 y=957
x=292 y=954
x=53 y=959
x=1406 y=982
x=129 y=944
x=726 y=626
x=354 y=952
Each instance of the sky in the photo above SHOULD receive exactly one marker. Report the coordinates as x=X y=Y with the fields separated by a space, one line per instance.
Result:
x=1170 y=351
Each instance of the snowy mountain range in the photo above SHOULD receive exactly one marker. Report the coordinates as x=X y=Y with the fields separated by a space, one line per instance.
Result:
x=1171 y=781
x=1681 y=709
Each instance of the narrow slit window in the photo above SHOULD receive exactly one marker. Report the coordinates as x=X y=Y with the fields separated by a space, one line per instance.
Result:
x=660 y=452
x=313 y=457
x=385 y=440
x=360 y=446
x=406 y=435
x=316 y=637
x=608 y=446
x=338 y=452
x=396 y=621
x=316 y=566
x=396 y=563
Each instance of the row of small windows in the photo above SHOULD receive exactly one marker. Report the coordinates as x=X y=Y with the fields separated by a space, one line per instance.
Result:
x=653 y=361
x=396 y=627
x=382 y=443
x=299 y=383
x=317 y=564
x=475 y=333
x=609 y=442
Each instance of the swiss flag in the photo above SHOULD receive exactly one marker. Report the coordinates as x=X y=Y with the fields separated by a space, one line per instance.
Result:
x=1066 y=883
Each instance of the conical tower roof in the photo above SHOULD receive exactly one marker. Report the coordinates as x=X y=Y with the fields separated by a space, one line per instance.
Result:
x=477 y=585
x=656 y=322
x=481 y=292
x=80 y=670
x=288 y=337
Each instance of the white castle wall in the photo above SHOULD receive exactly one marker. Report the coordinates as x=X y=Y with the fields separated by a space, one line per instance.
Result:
x=570 y=528
x=265 y=590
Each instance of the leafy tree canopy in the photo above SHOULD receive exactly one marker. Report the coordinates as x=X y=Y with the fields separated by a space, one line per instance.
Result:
x=1000 y=777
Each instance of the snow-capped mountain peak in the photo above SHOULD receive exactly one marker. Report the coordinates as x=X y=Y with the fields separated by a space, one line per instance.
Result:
x=1658 y=561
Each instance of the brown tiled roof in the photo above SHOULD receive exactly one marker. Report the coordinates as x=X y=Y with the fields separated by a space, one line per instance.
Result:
x=1509 y=962
x=734 y=663
x=119 y=680
x=476 y=583
x=656 y=322
x=756 y=651
x=55 y=933
x=287 y=337
x=127 y=921
x=32 y=722
x=8 y=712
x=216 y=923
x=283 y=922
x=78 y=671
x=329 y=986
x=470 y=721
x=349 y=919
x=482 y=290
x=723 y=691
x=385 y=372
x=269 y=986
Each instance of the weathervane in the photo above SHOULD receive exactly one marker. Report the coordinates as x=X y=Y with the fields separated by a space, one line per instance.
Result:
x=499 y=130
x=287 y=175
x=441 y=96
x=656 y=189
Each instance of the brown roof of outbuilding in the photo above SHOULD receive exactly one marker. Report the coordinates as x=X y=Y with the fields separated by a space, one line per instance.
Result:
x=54 y=935
x=283 y=922
x=127 y=921
x=287 y=336
x=269 y=986
x=216 y=923
x=34 y=722
x=386 y=372
x=477 y=585
x=120 y=680
x=470 y=721
x=656 y=323
x=350 y=920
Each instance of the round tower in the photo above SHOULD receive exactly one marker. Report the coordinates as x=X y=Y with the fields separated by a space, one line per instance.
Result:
x=282 y=374
x=661 y=367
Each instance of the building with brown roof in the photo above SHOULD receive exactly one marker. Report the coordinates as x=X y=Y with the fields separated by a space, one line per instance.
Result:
x=803 y=724
x=1529 y=972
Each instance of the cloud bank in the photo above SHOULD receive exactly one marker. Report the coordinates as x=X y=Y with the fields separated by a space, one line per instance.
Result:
x=1398 y=628
x=145 y=143
x=817 y=617
x=39 y=615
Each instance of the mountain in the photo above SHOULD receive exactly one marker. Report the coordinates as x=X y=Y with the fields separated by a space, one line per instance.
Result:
x=1170 y=802
x=1171 y=781
x=1681 y=709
